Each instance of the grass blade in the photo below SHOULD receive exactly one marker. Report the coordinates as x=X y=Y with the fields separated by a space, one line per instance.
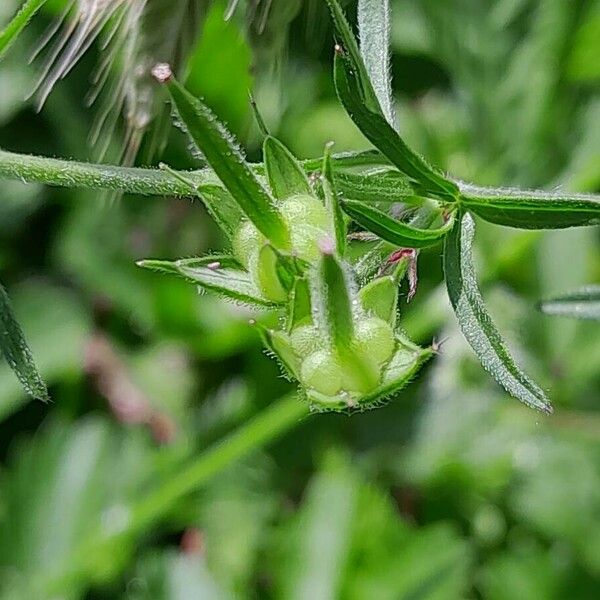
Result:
x=16 y=351
x=218 y=273
x=12 y=31
x=225 y=157
x=583 y=303
x=285 y=174
x=476 y=323
x=393 y=231
x=374 y=34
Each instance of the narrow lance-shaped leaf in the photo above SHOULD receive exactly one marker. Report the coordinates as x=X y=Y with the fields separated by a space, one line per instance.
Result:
x=531 y=209
x=386 y=185
x=16 y=351
x=332 y=202
x=583 y=303
x=285 y=174
x=225 y=157
x=218 y=273
x=476 y=323
x=394 y=231
x=12 y=31
x=356 y=93
x=374 y=32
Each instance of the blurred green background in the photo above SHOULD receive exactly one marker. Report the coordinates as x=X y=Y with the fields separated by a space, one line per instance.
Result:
x=451 y=491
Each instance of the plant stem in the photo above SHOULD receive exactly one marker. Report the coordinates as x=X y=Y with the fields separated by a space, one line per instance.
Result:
x=152 y=181
x=82 y=565
x=148 y=181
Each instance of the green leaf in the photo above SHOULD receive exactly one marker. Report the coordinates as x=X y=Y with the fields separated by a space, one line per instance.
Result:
x=583 y=303
x=393 y=231
x=12 y=31
x=386 y=185
x=356 y=93
x=531 y=210
x=219 y=273
x=374 y=33
x=475 y=322
x=225 y=157
x=332 y=202
x=285 y=174
x=16 y=351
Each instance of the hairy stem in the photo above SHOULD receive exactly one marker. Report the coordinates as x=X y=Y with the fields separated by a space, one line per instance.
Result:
x=152 y=181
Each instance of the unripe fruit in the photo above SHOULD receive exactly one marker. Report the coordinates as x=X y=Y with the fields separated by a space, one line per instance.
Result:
x=304 y=209
x=308 y=222
x=363 y=377
x=246 y=243
x=306 y=339
x=321 y=372
x=374 y=338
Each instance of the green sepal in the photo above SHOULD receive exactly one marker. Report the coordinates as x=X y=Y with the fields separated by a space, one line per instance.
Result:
x=394 y=231
x=356 y=94
x=218 y=273
x=583 y=303
x=334 y=300
x=279 y=344
x=299 y=309
x=225 y=157
x=276 y=273
x=333 y=295
x=379 y=298
x=515 y=208
x=285 y=174
x=16 y=352
x=402 y=368
x=332 y=202
x=476 y=323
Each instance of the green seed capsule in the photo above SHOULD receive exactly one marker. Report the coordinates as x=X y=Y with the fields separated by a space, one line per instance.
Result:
x=306 y=340
x=321 y=372
x=304 y=209
x=374 y=338
x=308 y=223
x=246 y=243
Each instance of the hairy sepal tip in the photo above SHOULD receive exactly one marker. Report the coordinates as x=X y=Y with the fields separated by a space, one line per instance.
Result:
x=162 y=72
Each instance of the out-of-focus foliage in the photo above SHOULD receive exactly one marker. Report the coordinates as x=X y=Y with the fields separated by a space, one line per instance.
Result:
x=451 y=491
